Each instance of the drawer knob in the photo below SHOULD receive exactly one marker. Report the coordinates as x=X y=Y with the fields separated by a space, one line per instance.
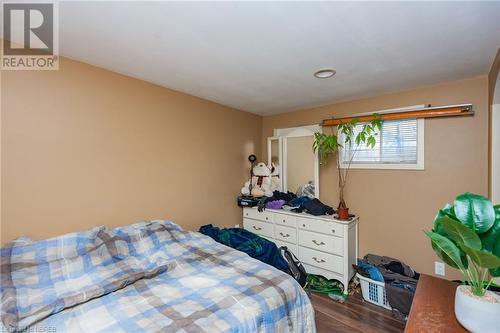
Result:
x=318 y=243
x=303 y=225
x=256 y=228
x=284 y=235
x=333 y=230
x=318 y=260
x=267 y=218
x=284 y=220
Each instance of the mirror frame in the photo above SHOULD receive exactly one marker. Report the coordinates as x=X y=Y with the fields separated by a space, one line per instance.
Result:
x=280 y=155
x=281 y=134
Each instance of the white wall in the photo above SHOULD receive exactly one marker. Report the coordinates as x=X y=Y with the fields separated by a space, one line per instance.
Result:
x=495 y=157
x=495 y=154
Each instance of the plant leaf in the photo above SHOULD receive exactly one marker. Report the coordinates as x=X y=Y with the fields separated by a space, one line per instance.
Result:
x=325 y=144
x=446 y=211
x=459 y=233
x=448 y=252
x=482 y=258
x=371 y=141
x=358 y=139
x=475 y=211
x=491 y=240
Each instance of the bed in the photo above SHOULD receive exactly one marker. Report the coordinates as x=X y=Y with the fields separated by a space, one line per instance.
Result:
x=147 y=277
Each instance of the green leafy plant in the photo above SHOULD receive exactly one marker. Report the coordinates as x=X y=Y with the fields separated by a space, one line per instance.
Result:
x=345 y=137
x=466 y=236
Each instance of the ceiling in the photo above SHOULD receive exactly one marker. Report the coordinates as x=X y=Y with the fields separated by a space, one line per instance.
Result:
x=260 y=56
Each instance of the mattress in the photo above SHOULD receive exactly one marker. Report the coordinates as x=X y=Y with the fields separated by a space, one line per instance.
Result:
x=147 y=277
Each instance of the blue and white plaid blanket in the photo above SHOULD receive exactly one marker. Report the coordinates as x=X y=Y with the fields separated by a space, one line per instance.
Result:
x=147 y=277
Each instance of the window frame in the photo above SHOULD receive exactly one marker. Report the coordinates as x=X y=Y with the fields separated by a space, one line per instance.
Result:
x=419 y=165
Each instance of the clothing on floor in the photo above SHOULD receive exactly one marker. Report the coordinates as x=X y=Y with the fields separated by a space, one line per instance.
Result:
x=400 y=299
x=248 y=242
x=392 y=265
x=398 y=315
x=400 y=280
x=319 y=284
x=368 y=271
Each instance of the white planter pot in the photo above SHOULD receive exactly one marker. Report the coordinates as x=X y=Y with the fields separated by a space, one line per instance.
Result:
x=477 y=314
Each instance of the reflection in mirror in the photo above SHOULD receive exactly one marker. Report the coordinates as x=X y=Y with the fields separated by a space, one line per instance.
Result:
x=274 y=161
x=300 y=164
x=275 y=151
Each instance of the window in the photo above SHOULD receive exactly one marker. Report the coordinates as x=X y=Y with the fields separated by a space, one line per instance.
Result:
x=400 y=145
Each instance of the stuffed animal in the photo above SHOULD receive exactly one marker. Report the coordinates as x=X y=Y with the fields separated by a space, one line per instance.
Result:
x=275 y=178
x=306 y=190
x=261 y=182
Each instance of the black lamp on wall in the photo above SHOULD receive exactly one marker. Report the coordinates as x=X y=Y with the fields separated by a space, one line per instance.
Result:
x=248 y=200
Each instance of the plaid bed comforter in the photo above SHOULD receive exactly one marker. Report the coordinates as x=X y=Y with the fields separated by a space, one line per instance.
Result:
x=147 y=277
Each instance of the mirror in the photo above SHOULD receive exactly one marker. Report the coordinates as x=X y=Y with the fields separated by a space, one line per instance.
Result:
x=299 y=163
x=274 y=151
x=291 y=151
x=274 y=157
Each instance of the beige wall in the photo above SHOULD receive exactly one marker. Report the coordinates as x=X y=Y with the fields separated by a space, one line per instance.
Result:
x=83 y=146
x=395 y=206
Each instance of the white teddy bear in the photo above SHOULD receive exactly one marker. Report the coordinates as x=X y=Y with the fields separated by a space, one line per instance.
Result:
x=261 y=182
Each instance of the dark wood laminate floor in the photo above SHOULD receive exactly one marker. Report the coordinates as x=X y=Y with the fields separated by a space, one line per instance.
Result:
x=355 y=315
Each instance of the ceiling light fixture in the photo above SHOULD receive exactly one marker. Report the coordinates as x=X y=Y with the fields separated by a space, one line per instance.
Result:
x=325 y=73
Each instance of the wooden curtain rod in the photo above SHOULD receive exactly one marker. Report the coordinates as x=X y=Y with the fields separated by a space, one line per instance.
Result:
x=430 y=112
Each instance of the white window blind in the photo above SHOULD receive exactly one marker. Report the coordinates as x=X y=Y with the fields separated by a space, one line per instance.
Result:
x=399 y=144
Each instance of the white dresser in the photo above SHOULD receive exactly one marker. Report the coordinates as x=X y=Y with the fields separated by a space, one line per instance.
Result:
x=324 y=245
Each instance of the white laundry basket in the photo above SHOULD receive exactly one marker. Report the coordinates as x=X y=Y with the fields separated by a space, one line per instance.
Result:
x=374 y=291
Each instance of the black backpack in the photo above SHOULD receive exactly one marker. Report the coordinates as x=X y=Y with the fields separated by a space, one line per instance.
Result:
x=295 y=267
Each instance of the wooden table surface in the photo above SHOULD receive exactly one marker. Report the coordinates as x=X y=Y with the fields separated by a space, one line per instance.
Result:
x=433 y=307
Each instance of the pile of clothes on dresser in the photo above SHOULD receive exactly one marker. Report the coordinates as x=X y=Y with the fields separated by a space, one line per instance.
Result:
x=399 y=278
x=295 y=203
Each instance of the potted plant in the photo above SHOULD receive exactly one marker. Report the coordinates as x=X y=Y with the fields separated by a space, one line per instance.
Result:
x=466 y=236
x=348 y=138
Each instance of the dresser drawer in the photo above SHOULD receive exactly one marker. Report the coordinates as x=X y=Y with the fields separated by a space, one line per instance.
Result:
x=285 y=234
x=256 y=215
x=329 y=228
x=321 y=242
x=283 y=219
x=292 y=247
x=322 y=260
x=257 y=227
